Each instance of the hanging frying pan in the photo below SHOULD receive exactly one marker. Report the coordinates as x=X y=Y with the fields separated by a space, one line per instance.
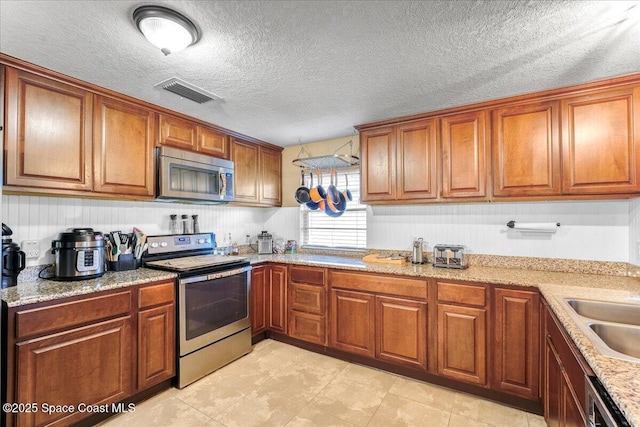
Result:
x=302 y=193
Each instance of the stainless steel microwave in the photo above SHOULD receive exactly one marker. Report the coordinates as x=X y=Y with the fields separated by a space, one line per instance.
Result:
x=186 y=176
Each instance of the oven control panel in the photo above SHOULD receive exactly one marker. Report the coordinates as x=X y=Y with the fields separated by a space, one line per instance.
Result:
x=180 y=243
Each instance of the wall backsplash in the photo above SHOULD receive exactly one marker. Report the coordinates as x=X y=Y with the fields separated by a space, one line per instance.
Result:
x=590 y=230
x=42 y=218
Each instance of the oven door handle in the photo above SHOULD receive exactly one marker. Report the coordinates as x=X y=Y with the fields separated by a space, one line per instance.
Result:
x=213 y=276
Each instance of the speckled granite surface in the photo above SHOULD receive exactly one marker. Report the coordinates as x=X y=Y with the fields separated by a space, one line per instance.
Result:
x=620 y=377
x=34 y=290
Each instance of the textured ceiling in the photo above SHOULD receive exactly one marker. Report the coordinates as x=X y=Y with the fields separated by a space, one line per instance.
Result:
x=311 y=70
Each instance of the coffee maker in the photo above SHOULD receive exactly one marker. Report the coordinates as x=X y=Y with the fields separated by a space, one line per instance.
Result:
x=13 y=259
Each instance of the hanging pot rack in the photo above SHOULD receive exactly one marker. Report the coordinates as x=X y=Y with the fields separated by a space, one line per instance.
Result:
x=327 y=162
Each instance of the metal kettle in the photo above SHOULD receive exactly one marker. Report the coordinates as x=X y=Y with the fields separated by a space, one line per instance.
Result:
x=417 y=254
x=13 y=259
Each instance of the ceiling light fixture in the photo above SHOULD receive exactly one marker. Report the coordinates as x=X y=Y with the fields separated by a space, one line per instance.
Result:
x=165 y=28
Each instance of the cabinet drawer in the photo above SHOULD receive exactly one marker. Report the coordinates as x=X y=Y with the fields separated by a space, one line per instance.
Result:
x=163 y=293
x=390 y=285
x=307 y=327
x=462 y=294
x=39 y=321
x=309 y=275
x=307 y=298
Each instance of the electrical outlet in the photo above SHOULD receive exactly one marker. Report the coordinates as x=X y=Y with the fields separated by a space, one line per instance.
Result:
x=31 y=248
x=247 y=239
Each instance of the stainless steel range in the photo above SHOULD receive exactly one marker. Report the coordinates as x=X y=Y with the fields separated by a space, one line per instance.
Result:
x=213 y=302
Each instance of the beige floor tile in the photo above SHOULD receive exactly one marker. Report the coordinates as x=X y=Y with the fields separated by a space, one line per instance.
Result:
x=460 y=421
x=321 y=362
x=166 y=412
x=260 y=410
x=310 y=417
x=299 y=383
x=213 y=423
x=212 y=398
x=489 y=412
x=429 y=394
x=368 y=376
x=399 y=411
x=348 y=400
x=536 y=420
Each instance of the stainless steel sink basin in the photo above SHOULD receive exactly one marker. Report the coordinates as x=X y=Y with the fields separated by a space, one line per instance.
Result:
x=621 y=338
x=607 y=311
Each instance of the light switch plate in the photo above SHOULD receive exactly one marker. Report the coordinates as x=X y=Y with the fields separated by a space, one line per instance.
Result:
x=31 y=248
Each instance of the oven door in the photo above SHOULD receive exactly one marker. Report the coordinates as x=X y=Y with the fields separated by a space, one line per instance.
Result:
x=212 y=307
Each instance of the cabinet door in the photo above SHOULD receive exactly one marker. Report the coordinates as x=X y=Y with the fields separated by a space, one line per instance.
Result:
x=270 y=177
x=464 y=164
x=553 y=385
x=526 y=153
x=213 y=143
x=258 y=299
x=516 y=346
x=352 y=322
x=378 y=167
x=416 y=151
x=48 y=133
x=462 y=343
x=245 y=158
x=177 y=133
x=601 y=142
x=156 y=345
x=123 y=148
x=278 y=298
x=90 y=365
x=401 y=332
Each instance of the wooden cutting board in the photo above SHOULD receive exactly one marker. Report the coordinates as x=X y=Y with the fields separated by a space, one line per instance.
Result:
x=387 y=260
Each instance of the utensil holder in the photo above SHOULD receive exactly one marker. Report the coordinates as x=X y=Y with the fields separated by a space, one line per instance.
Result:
x=124 y=262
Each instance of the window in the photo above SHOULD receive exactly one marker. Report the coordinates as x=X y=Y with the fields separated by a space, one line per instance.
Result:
x=348 y=231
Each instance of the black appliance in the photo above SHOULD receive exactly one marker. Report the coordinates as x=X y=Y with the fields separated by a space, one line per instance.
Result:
x=79 y=254
x=213 y=321
x=13 y=259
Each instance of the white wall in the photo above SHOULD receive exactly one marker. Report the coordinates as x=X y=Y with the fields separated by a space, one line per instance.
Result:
x=42 y=218
x=590 y=230
x=634 y=232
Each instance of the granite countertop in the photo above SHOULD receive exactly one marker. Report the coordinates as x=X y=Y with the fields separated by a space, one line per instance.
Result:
x=34 y=290
x=620 y=377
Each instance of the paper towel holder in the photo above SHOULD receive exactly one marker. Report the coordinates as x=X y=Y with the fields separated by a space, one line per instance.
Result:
x=512 y=224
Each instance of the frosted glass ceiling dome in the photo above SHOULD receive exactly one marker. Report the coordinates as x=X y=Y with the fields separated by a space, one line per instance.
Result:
x=166 y=29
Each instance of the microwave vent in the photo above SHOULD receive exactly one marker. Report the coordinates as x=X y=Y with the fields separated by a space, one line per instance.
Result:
x=187 y=90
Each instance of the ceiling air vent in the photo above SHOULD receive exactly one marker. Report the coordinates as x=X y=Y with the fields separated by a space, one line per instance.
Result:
x=187 y=90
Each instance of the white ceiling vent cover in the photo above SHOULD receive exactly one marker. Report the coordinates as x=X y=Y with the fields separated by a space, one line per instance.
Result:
x=187 y=90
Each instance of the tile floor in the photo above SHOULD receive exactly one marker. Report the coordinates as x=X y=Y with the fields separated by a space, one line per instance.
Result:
x=282 y=385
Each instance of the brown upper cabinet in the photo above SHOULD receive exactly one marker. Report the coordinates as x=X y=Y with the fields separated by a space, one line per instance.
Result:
x=601 y=142
x=575 y=142
x=258 y=174
x=400 y=162
x=464 y=155
x=188 y=135
x=526 y=151
x=48 y=133
x=63 y=139
x=124 y=136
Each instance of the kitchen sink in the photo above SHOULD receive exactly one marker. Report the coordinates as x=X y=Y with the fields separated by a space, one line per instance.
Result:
x=621 y=338
x=613 y=328
x=607 y=311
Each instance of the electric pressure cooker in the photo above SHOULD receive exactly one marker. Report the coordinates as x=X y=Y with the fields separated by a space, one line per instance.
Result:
x=13 y=259
x=79 y=254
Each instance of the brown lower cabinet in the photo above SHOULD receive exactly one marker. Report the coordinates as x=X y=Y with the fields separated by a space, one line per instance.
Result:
x=91 y=350
x=564 y=376
x=307 y=304
x=257 y=299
